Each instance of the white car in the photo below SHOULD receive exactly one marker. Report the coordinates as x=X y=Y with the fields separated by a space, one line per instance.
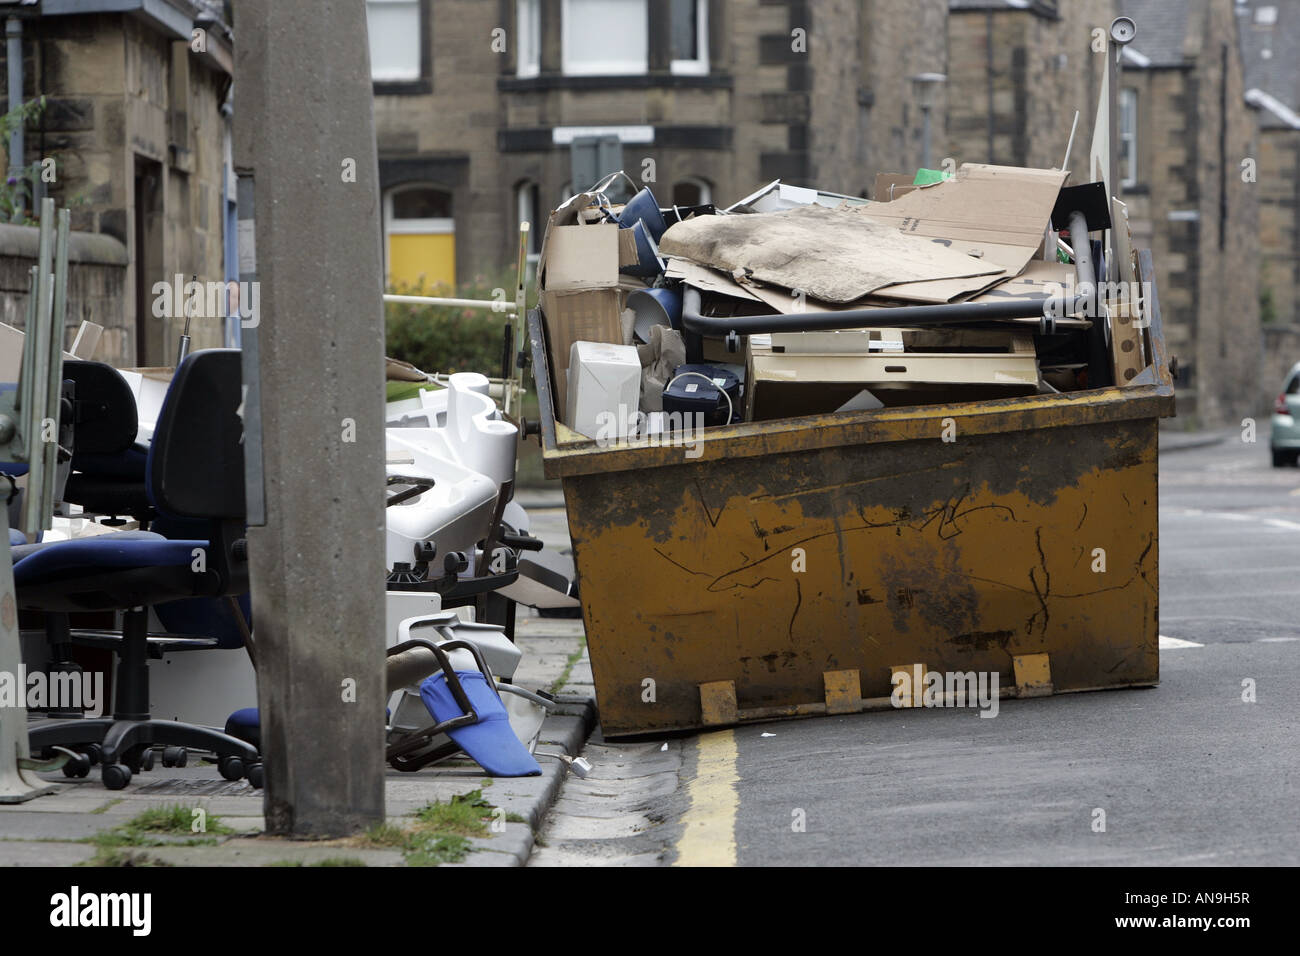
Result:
x=1285 y=438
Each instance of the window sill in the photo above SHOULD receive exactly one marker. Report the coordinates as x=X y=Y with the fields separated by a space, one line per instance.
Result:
x=641 y=81
x=403 y=87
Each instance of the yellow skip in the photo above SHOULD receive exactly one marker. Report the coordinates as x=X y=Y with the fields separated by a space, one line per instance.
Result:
x=710 y=835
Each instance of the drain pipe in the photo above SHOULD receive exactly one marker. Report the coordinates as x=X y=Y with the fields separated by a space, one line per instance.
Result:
x=14 y=36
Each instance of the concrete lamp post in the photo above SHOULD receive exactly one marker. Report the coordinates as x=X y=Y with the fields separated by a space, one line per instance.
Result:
x=925 y=88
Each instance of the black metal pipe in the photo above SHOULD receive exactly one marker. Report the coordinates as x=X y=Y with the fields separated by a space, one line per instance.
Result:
x=1047 y=308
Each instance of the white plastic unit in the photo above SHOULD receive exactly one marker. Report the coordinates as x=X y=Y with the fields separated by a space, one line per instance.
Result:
x=456 y=438
x=501 y=655
x=604 y=393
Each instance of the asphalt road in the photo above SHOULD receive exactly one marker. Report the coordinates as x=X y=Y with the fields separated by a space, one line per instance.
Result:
x=1186 y=773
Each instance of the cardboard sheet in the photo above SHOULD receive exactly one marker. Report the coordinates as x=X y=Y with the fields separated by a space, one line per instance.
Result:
x=709 y=280
x=891 y=186
x=995 y=213
x=1038 y=278
x=838 y=255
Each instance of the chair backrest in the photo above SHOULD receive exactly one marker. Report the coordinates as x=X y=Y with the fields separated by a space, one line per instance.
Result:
x=104 y=415
x=196 y=459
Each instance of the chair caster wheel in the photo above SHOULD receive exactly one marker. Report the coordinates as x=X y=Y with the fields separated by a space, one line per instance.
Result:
x=175 y=757
x=138 y=759
x=256 y=777
x=232 y=768
x=96 y=753
x=77 y=767
x=116 y=776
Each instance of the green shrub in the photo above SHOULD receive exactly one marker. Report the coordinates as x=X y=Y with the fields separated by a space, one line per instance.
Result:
x=446 y=339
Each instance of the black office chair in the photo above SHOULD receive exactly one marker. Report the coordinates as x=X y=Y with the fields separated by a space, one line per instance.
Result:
x=194 y=470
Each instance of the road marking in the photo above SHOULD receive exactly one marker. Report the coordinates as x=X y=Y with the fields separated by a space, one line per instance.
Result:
x=1277 y=640
x=1219 y=597
x=1173 y=643
x=710 y=835
x=1231 y=516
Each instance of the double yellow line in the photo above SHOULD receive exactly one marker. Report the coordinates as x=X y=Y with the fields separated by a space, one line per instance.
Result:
x=709 y=838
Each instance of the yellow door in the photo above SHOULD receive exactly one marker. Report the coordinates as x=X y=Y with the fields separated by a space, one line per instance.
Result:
x=422 y=261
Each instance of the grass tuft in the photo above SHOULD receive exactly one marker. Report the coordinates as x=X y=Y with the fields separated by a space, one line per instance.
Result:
x=439 y=832
x=148 y=828
x=563 y=679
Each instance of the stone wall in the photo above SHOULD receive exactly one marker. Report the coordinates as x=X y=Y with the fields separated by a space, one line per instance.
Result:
x=1279 y=233
x=1164 y=208
x=1230 y=385
x=97 y=267
x=1281 y=352
x=111 y=84
x=1015 y=79
x=864 y=115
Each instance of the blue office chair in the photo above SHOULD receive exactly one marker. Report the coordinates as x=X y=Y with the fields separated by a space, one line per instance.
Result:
x=194 y=470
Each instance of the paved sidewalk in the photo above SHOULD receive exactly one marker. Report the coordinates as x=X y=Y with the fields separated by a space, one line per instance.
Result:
x=83 y=823
x=1174 y=439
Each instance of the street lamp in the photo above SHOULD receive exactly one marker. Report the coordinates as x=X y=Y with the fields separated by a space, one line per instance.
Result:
x=925 y=88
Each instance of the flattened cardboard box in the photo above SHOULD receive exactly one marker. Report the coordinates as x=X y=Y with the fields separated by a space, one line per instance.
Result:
x=995 y=213
x=837 y=255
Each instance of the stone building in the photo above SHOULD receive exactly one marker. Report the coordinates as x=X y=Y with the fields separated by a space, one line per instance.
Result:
x=1018 y=71
x=477 y=105
x=136 y=123
x=1192 y=202
x=1270 y=49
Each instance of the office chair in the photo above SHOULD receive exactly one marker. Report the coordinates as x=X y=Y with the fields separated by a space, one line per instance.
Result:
x=194 y=470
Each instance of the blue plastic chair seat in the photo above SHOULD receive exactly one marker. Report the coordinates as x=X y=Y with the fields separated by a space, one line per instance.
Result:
x=108 y=552
x=490 y=741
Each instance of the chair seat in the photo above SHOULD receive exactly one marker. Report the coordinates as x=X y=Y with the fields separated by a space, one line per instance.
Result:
x=21 y=549
x=126 y=550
